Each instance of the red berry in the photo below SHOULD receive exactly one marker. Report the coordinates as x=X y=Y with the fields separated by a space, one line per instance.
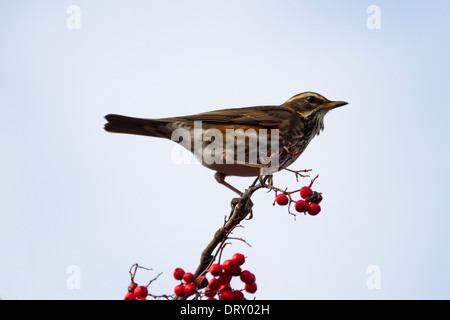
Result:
x=224 y=287
x=236 y=272
x=247 y=277
x=210 y=293
x=305 y=192
x=178 y=273
x=238 y=295
x=228 y=266
x=142 y=299
x=313 y=209
x=188 y=277
x=238 y=259
x=214 y=284
x=130 y=296
x=226 y=295
x=141 y=292
x=215 y=269
x=301 y=206
x=201 y=282
x=190 y=289
x=179 y=290
x=132 y=286
x=251 y=288
x=282 y=199
x=225 y=278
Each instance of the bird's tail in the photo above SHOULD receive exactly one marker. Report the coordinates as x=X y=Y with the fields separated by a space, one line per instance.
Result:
x=145 y=127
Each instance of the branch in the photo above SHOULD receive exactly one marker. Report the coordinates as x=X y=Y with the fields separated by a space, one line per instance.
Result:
x=241 y=209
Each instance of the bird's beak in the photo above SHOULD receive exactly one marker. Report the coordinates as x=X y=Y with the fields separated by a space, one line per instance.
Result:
x=336 y=104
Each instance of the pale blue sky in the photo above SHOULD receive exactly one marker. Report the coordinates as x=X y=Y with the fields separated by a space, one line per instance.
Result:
x=72 y=194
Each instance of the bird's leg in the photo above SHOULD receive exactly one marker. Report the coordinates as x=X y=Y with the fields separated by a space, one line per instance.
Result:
x=263 y=179
x=220 y=177
x=270 y=180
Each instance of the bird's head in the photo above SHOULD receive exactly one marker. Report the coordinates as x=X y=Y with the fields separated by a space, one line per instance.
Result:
x=308 y=103
x=312 y=107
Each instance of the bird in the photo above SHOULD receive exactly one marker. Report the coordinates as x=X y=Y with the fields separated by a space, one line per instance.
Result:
x=295 y=123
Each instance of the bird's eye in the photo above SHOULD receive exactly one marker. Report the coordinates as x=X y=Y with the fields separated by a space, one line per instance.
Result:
x=311 y=99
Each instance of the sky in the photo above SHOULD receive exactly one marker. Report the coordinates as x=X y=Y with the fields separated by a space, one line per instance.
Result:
x=80 y=203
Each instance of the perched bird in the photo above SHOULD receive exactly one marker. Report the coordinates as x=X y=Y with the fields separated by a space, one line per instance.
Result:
x=295 y=123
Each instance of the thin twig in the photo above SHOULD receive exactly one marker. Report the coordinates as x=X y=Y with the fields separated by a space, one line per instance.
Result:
x=154 y=279
x=136 y=266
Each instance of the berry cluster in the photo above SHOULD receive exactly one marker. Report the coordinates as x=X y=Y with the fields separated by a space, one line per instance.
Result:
x=136 y=292
x=219 y=285
x=309 y=203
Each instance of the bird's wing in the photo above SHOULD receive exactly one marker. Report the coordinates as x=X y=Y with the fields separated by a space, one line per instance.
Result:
x=266 y=116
